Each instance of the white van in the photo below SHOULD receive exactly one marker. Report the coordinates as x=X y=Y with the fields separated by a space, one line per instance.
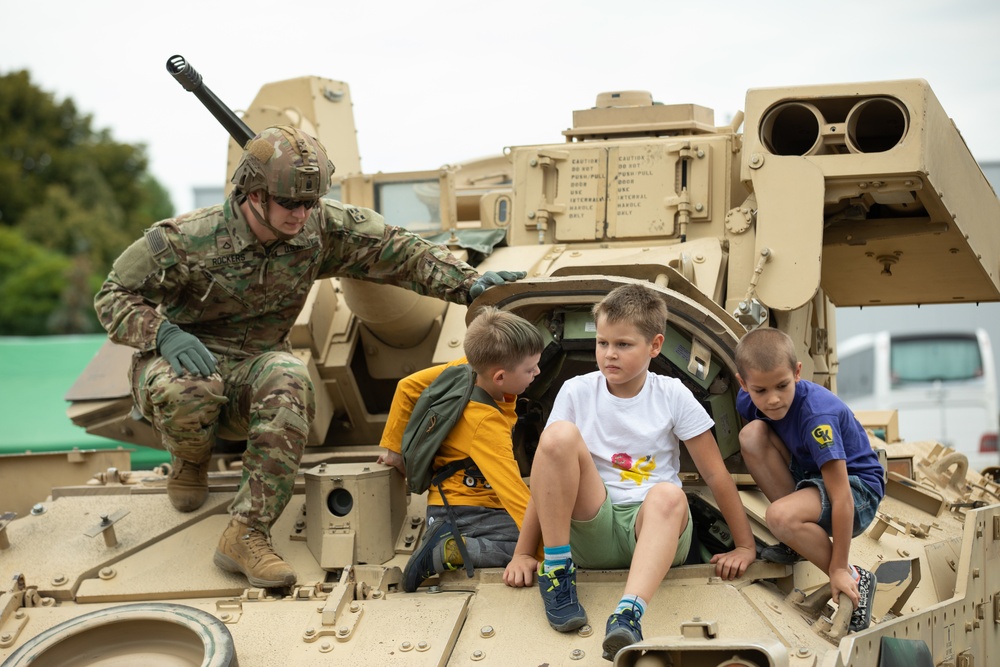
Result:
x=943 y=384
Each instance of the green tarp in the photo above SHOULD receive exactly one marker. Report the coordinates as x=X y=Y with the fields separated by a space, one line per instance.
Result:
x=35 y=373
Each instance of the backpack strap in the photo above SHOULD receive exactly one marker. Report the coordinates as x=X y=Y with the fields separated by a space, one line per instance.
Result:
x=479 y=395
x=440 y=476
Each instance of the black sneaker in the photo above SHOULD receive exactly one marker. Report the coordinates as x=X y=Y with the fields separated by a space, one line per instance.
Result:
x=558 y=589
x=623 y=630
x=780 y=553
x=861 y=618
x=421 y=565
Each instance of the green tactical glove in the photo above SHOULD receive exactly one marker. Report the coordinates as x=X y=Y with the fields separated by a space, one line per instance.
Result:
x=491 y=278
x=184 y=351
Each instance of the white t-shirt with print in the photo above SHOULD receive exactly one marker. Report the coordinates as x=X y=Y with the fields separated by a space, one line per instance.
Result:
x=634 y=441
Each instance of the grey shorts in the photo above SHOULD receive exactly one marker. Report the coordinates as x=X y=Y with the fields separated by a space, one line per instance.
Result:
x=866 y=501
x=608 y=540
x=490 y=534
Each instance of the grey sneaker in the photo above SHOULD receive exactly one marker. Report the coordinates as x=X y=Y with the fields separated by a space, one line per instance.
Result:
x=780 y=553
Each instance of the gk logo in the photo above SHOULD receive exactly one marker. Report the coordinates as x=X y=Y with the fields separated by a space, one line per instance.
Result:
x=823 y=434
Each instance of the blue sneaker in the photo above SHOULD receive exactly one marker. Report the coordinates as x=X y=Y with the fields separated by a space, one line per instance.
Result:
x=427 y=561
x=623 y=630
x=558 y=589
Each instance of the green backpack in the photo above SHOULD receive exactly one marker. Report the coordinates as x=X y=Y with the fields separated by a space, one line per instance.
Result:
x=435 y=413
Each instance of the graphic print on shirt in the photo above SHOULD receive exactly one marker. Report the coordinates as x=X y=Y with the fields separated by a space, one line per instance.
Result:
x=823 y=435
x=473 y=478
x=637 y=471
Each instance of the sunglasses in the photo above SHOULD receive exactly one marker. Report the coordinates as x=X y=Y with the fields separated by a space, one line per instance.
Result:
x=292 y=204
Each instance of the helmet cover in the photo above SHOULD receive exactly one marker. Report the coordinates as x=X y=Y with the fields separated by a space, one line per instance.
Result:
x=285 y=162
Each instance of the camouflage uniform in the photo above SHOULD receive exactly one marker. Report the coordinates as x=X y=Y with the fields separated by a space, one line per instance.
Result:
x=209 y=274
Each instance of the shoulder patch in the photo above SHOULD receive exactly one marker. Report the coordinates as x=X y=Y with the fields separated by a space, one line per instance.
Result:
x=136 y=265
x=823 y=435
x=157 y=241
x=356 y=214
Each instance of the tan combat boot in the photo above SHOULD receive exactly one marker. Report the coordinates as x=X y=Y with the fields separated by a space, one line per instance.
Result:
x=187 y=486
x=244 y=549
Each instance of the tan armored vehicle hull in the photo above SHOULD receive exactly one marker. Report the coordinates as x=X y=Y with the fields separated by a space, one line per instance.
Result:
x=854 y=194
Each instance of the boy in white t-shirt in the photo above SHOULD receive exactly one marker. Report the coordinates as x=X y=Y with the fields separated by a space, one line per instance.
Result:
x=605 y=476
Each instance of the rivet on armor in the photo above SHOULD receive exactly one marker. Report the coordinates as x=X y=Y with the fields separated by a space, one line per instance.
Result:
x=577 y=654
x=423 y=646
x=325 y=647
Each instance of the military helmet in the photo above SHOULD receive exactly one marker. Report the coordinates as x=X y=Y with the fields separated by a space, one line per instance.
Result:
x=285 y=162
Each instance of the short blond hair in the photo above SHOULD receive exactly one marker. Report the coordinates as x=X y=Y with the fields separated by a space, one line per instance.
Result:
x=634 y=304
x=500 y=339
x=765 y=350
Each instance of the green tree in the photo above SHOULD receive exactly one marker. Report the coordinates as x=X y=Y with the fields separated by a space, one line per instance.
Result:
x=73 y=191
x=31 y=284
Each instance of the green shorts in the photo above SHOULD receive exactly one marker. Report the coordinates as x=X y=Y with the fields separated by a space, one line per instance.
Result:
x=608 y=540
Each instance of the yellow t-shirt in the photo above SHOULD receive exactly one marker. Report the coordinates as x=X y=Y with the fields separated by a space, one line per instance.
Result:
x=483 y=433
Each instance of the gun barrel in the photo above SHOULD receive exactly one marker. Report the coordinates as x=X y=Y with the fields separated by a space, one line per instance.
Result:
x=190 y=79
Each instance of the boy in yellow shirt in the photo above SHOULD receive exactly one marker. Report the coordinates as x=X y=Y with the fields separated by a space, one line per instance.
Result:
x=489 y=497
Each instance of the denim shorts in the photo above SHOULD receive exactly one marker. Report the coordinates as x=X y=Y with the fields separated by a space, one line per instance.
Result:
x=608 y=540
x=866 y=501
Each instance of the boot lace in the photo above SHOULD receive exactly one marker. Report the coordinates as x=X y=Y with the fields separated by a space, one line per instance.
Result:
x=258 y=544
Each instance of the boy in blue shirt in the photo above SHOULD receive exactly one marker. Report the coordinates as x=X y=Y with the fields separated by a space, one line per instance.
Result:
x=812 y=459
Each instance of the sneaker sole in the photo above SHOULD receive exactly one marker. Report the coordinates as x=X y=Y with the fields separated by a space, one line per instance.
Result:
x=615 y=641
x=569 y=625
x=226 y=563
x=868 y=612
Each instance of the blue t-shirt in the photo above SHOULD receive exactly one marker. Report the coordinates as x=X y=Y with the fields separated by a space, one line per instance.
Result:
x=818 y=428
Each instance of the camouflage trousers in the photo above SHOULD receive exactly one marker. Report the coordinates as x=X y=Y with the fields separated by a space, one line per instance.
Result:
x=268 y=399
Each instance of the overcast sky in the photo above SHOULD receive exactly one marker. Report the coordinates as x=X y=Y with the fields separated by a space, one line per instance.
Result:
x=445 y=81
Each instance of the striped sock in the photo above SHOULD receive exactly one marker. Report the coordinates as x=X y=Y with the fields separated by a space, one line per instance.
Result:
x=633 y=602
x=556 y=557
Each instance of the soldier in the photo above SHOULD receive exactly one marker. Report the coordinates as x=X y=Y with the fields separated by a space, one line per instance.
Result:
x=208 y=299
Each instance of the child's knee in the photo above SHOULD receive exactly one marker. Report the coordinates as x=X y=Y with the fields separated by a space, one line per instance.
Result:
x=666 y=500
x=561 y=438
x=754 y=436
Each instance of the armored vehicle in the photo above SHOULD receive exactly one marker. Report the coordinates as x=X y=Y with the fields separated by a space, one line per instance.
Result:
x=858 y=194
